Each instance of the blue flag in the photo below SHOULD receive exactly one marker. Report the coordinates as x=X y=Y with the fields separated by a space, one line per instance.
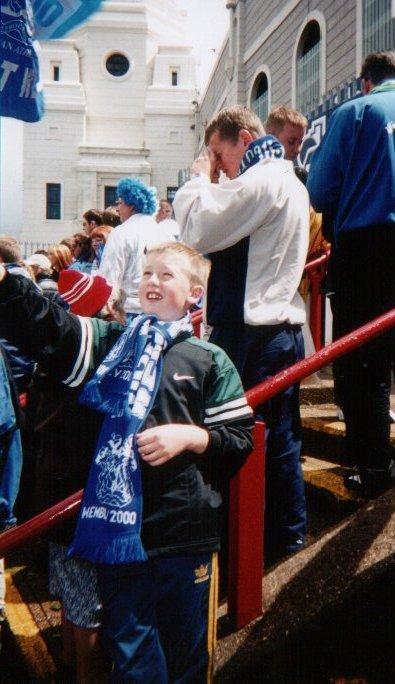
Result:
x=55 y=18
x=22 y=22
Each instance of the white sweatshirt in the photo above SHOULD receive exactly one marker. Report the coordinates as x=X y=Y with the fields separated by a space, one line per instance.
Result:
x=268 y=206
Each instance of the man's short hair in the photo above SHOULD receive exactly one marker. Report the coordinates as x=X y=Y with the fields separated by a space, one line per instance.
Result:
x=378 y=66
x=93 y=215
x=10 y=250
x=229 y=121
x=280 y=116
x=199 y=266
x=111 y=217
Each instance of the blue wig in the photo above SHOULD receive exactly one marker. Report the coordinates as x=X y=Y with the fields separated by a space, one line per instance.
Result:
x=137 y=194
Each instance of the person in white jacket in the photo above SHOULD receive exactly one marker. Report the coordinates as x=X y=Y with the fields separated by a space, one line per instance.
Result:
x=122 y=259
x=169 y=228
x=254 y=226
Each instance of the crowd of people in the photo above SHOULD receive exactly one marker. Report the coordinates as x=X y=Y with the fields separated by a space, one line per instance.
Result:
x=123 y=401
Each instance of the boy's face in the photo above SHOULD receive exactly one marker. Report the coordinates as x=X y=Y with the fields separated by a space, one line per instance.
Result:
x=165 y=287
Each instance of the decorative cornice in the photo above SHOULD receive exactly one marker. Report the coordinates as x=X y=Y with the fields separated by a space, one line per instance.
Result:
x=119 y=151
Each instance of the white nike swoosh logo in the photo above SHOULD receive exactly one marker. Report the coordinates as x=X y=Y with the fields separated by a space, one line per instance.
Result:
x=183 y=377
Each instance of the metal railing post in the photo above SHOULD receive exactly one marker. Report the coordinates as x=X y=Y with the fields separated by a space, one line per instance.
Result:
x=316 y=308
x=246 y=522
x=315 y=271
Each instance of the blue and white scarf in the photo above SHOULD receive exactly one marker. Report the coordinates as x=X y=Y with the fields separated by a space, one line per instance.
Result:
x=124 y=387
x=267 y=147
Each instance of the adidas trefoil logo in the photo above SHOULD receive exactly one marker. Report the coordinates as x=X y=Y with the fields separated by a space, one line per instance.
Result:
x=201 y=574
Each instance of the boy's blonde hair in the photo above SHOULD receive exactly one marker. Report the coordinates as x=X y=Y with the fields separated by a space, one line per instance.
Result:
x=198 y=265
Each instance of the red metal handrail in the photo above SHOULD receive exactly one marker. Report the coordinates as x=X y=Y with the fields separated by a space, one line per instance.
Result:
x=279 y=382
x=43 y=522
x=315 y=263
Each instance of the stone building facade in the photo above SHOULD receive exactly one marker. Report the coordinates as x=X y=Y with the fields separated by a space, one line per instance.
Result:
x=118 y=101
x=294 y=52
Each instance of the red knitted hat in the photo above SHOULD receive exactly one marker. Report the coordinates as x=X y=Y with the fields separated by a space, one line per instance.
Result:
x=84 y=293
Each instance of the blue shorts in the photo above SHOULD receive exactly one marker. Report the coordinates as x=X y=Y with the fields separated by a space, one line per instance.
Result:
x=159 y=618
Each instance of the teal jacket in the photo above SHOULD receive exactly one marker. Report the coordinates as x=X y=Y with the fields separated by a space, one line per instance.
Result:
x=352 y=173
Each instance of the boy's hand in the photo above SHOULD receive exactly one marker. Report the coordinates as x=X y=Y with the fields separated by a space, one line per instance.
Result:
x=3 y=272
x=161 y=443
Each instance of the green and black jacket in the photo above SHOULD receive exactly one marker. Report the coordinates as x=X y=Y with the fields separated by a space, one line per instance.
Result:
x=199 y=386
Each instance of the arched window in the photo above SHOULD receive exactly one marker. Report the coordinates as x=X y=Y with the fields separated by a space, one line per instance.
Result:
x=308 y=67
x=260 y=97
x=377 y=26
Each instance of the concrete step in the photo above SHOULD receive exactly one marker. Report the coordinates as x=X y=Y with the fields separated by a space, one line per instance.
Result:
x=316 y=390
x=325 y=490
x=324 y=433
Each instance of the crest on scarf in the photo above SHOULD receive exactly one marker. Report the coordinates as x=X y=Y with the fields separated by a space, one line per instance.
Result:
x=116 y=462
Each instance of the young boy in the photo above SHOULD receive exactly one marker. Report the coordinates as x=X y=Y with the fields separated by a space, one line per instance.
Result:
x=176 y=424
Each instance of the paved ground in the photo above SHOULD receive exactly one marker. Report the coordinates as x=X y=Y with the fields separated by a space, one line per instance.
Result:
x=329 y=611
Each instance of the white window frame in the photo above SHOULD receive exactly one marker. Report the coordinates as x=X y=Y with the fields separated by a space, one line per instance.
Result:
x=262 y=69
x=177 y=70
x=317 y=16
x=358 y=34
x=53 y=64
x=116 y=51
x=54 y=181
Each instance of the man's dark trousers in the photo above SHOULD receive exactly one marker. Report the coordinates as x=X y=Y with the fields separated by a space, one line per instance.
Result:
x=259 y=352
x=364 y=286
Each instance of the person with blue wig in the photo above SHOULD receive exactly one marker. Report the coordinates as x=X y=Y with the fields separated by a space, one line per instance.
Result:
x=122 y=258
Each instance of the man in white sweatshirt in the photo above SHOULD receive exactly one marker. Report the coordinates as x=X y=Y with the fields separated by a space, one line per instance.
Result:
x=254 y=227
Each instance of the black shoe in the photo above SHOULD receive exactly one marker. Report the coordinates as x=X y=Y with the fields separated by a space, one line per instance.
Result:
x=369 y=482
x=353 y=481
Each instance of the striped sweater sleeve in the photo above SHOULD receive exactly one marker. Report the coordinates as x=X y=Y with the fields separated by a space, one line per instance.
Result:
x=66 y=346
x=225 y=399
x=228 y=418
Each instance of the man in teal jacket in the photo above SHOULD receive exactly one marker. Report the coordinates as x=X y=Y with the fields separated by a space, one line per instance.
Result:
x=352 y=180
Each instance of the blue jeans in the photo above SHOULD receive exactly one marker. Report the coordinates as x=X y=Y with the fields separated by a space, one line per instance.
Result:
x=159 y=618
x=10 y=452
x=258 y=353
